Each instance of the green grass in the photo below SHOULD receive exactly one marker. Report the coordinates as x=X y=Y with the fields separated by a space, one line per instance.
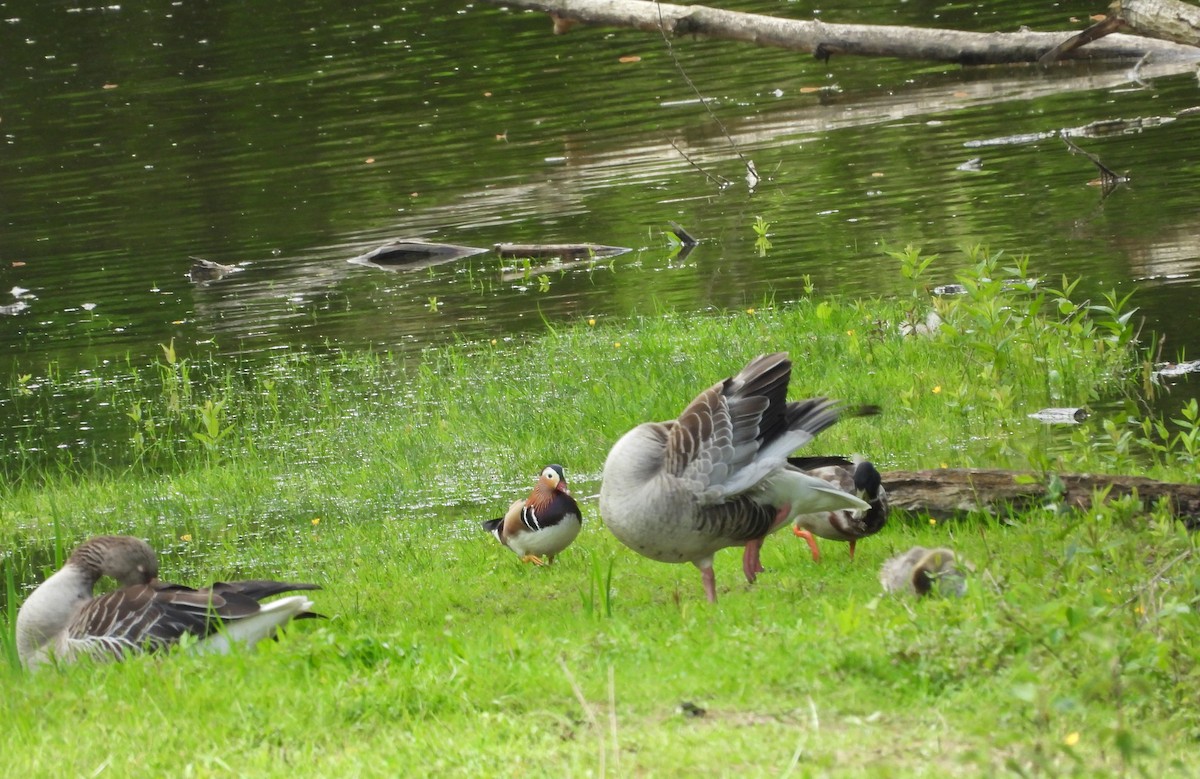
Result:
x=1073 y=653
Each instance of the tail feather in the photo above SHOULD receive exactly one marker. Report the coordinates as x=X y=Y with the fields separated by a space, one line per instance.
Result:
x=813 y=462
x=494 y=526
x=248 y=631
x=801 y=421
x=808 y=494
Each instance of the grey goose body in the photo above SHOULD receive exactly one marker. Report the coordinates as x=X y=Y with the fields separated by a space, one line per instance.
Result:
x=62 y=620
x=717 y=476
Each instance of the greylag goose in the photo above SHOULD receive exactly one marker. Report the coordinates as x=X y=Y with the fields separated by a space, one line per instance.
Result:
x=718 y=476
x=858 y=478
x=921 y=570
x=545 y=523
x=61 y=620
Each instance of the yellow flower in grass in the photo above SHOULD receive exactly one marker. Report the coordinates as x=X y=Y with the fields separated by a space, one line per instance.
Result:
x=937 y=390
x=186 y=538
x=1072 y=738
x=592 y=322
x=316 y=521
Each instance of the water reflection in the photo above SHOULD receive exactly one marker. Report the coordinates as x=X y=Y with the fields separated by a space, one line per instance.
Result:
x=282 y=144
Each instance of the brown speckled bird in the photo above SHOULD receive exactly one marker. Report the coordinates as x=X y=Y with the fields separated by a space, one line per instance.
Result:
x=543 y=524
x=61 y=620
x=921 y=571
x=858 y=478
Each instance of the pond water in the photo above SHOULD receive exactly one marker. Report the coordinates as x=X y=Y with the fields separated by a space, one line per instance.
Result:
x=286 y=139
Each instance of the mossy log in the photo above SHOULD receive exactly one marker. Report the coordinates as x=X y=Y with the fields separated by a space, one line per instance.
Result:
x=945 y=492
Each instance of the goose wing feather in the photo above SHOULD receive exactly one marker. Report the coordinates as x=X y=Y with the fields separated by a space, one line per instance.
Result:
x=156 y=615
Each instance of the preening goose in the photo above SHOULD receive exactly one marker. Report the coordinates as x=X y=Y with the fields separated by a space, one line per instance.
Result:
x=545 y=523
x=922 y=571
x=859 y=478
x=61 y=620
x=718 y=476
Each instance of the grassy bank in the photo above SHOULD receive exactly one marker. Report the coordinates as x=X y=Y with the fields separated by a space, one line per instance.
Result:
x=1072 y=653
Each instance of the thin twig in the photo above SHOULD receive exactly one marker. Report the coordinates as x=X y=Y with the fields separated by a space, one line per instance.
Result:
x=815 y=727
x=612 y=720
x=587 y=711
x=1157 y=577
x=1009 y=615
x=662 y=30
x=720 y=181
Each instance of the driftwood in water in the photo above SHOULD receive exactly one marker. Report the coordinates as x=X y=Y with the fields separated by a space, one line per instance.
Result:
x=556 y=257
x=945 y=492
x=565 y=252
x=825 y=40
x=413 y=254
x=1167 y=20
x=203 y=270
x=1109 y=179
x=683 y=235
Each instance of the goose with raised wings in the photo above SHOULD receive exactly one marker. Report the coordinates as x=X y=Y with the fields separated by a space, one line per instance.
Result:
x=717 y=476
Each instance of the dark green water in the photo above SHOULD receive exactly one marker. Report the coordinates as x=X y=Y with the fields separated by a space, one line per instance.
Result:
x=288 y=138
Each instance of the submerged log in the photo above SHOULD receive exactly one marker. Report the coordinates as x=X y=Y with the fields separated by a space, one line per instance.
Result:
x=413 y=254
x=824 y=40
x=566 y=252
x=203 y=270
x=946 y=492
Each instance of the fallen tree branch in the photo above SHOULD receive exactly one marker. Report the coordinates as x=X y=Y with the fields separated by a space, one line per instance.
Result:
x=1167 y=20
x=824 y=40
x=945 y=492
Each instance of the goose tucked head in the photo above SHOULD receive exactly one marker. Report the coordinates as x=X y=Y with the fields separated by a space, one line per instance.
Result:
x=127 y=559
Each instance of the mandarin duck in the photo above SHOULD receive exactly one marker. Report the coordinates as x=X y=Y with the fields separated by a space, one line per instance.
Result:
x=62 y=621
x=679 y=491
x=858 y=478
x=921 y=571
x=543 y=524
